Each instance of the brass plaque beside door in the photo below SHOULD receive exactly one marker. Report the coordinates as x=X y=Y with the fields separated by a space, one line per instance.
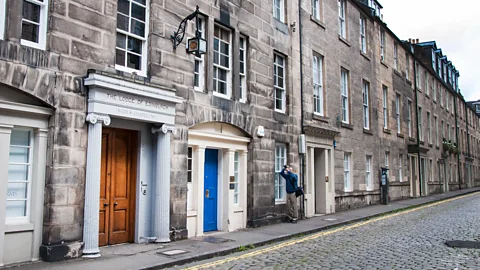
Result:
x=117 y=186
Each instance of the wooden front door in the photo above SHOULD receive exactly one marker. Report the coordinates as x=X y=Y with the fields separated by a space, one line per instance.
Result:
x=117 y=186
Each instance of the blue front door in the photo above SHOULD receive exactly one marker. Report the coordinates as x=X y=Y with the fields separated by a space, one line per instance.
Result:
x=210 y=190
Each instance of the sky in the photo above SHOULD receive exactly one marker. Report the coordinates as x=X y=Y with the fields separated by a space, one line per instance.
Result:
x=454 y=25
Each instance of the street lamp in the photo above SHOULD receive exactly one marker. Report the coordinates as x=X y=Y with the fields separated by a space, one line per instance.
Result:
x=196 y=45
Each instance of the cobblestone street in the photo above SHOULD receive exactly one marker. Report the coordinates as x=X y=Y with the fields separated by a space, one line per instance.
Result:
x=413 y=240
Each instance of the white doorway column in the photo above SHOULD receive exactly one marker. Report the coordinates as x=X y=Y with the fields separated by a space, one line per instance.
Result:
x=92 y=184
x=161 y=215
x=199 y=164
x=5 y=133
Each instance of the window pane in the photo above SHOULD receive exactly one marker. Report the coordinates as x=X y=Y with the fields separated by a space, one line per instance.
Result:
x=17 y=172
x=17 y=191
x=124 y=7
x=138 y=12
x=133 y=61
x=121 y=41
x=120 y=57
x=222 y=88
x=30 y=31
x=19 y=154
x=16 y=209
x=20 y=137
x=143 y=2
x=31 y=12
x=122 y=22
x=137 y=28
x=134 y=45
x=224 y=61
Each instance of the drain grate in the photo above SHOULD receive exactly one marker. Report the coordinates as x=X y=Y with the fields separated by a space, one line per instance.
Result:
x=463 y=244
x=215 y=240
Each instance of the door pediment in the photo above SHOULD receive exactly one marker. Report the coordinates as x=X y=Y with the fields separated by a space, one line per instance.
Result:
x=132 y=100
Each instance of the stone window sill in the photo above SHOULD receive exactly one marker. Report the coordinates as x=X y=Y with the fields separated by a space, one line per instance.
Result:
x=320 y=118
x=408 y=81
x=438 y=147
x=318 y=22
x=367 y=131
x=384 y=64
x=386 y=130
x=422 y=142
x=396 y=72
x=430 y=145
x=347 y=126
x=344 y=41
x=411 y=139
x=364 y=55
x=400 y=135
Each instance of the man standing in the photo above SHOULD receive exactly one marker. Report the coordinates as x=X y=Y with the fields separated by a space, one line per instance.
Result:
x=291 y=184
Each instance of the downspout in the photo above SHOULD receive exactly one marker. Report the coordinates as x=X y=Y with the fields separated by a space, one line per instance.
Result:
x=456 y=141
x=302 y=156
x=418 y=128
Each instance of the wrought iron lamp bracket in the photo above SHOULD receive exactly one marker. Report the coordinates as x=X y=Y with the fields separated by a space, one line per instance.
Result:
x=178 y=35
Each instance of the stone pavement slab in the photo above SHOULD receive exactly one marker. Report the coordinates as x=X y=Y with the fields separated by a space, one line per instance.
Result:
x=151 y=256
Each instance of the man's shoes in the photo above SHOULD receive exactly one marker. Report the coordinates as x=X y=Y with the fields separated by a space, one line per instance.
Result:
x=293 y=221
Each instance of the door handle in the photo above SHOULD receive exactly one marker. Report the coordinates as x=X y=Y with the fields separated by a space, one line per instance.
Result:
x=105 y=204
x=207 y=193
x=115 y=203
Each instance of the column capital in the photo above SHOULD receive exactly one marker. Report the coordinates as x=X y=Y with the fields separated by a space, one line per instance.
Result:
x=164 y=129
x=94 y=118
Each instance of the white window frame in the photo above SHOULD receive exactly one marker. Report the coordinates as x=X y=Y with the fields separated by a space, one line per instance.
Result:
x=447 y=101
x=28 y=200
x=434 y=60
x=397 y=111
x=395 y=56
x=280 y=8
x=429 y=127
x=387 y=163
x=236 y=176
x=347 y=178
x=316 y=9
x=385 y=106
x=435 y=119
x=382 y=45
x=400 y=167
x=409 y=118
x=366 y=104
x=342 y=27
x=43 y=23
x=427 y=89
x=368 y=173
x=243 y=48
x=407 y=66
x=420 y=126
x=201 y=61
x=318 y=94
x=217 y=67
x=144 y=54
x=417 y=76
x=277 y=87
x=363 y=35
x=345 y=96
x=280 y=161
x=434 y=89
x=3 y=7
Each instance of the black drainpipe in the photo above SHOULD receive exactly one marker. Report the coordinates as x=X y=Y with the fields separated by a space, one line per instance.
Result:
x=302 y=156
x=416 y=112
x=456 y=140
x=468 y=141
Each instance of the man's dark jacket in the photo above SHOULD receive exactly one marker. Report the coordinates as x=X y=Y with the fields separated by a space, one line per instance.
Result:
x=291 y=181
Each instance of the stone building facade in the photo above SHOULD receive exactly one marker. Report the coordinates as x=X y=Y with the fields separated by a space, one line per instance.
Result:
x=110 y=135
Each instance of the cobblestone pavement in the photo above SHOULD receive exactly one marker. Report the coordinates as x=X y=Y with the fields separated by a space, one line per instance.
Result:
x=414 y=240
